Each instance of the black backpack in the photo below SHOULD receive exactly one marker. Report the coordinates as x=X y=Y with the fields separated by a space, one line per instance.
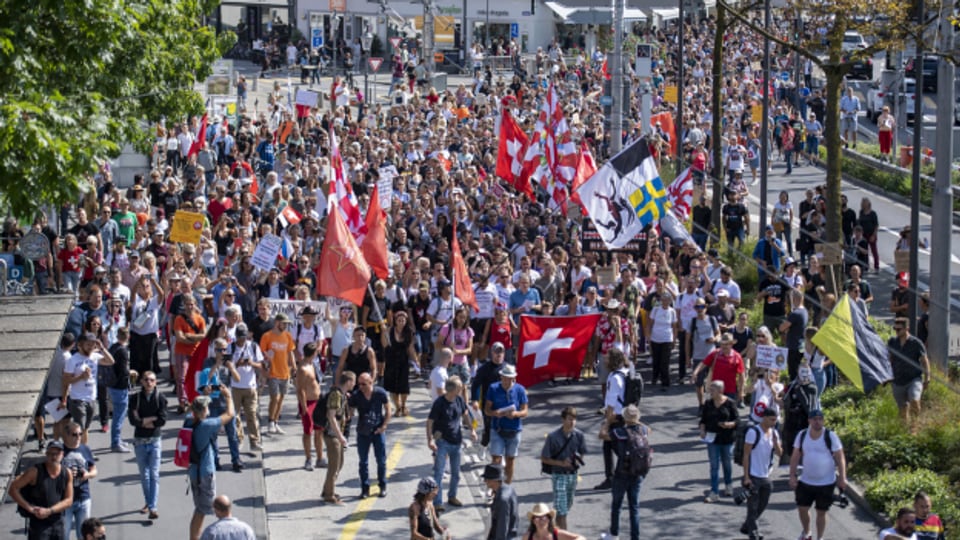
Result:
x=320 y=410
x=637 y=455
x=827 y=440
x=741 y=440
x=632 y=389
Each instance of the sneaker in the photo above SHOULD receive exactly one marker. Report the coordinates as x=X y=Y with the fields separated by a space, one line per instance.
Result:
x=278 y=430
x=608 y=536
x=439 y=508
x=104 y=429
x=153 y=514
x=728 y=491
x=41 y=445
x=271 y=428
x=805 y=537
x=120 y=449
x=256 y=446
x=711 y=498
x=606 y=484
x=321 y=463
x=453 y=501
x=238 y=466
x=308 y=465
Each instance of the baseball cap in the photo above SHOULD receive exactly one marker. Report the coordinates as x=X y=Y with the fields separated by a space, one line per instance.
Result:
x=815 y=413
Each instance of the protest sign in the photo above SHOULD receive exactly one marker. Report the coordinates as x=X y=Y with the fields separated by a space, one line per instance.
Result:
x=186 y=227
x=772 y=357
x=265 y=256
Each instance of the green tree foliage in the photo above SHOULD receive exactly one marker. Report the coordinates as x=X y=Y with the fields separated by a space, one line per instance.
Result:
x=78 y=78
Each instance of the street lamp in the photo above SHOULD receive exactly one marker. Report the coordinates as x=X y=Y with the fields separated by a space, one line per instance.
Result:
x=366 y=40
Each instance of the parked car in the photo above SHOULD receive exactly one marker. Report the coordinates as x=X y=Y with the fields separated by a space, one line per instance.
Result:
x=930 y=67
x=878 y=96
x=860 y=69
x=853 y=40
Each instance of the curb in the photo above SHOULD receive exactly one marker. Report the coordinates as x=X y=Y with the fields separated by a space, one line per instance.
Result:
x=856 y=495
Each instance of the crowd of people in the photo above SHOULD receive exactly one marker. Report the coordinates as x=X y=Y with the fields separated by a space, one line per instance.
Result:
x=673 y=306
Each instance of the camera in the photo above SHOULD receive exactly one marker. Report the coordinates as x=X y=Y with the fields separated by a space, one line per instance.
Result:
x=577 y=459
x=741 y=494
x=840 y=499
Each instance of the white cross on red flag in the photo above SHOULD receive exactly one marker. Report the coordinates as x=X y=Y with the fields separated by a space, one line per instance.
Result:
x=552 y=347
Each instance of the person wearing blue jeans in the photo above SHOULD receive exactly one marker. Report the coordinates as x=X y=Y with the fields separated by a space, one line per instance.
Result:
x=118 y=389
x=624 y=484
x=718 y=428
x=79 y=459
x=444 y=435
x=148 y=414
x=373 y=415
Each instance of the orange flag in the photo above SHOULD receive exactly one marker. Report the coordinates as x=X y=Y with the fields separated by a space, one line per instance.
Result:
x=586 y=167
x=374 y=244
x=342 y=272
x=461 y=277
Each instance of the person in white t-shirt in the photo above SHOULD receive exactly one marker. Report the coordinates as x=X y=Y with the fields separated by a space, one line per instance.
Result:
x=824 y=468
x=904 y=528
x=80 y=380
x=760 y=444
x=661 y=331
x=439 y=375
x=248 y=360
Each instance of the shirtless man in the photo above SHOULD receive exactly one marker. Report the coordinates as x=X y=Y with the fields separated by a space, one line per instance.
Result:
x=308 y=393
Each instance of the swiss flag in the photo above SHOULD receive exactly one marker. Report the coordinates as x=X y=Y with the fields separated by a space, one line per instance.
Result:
x=553 y=346
x=510 y=152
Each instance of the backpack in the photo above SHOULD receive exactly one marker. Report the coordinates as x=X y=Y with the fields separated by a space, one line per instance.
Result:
x=741 y=440
x=693 y=326
x=632 y=389
x=185 y=452
x=827 y=440
x=320 y=410
x=637 y=455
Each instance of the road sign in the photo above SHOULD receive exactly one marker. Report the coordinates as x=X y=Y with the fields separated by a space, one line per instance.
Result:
x=316 y=38
x=338 y=5
x=395 y=42
x=514 y=30
x=374 y=62
x=785 y=76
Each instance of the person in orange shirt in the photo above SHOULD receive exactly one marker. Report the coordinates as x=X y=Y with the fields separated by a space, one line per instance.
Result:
x=278 y=346
x=190 y=329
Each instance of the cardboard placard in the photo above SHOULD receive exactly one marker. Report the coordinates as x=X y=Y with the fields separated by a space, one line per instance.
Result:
x=265 y=256
x=772 y=357
x=901 y=260
x=606 y=276
x=292 y=309
x=186 y=227
x=829 y=253
x=307 y=98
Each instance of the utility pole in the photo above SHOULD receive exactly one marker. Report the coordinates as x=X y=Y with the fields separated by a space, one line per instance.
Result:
x=428 y=28
x=616 y=78
x=915 y=187
x=938 y=339
x=765 y=126
x=678 y=125
x=464 y=40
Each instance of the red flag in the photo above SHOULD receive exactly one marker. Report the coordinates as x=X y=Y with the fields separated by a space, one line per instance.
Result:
x=374 y=244
x=201 y=137
x=666 y=123
x=195 y=366
x=586 y=167
x=603 y=68
x=553 y=346
x=461 y=276
x=342 y=272
x=510 y=152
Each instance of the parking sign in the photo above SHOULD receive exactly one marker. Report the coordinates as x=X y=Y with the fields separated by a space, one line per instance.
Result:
x=316 y=38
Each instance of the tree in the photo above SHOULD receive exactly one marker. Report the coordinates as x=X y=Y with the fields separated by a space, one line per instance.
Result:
x=826 y=22
x=80 y=78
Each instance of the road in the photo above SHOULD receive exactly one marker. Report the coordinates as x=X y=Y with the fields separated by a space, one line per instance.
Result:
x=281 y=500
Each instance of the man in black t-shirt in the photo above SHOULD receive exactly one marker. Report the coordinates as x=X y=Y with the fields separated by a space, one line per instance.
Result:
x=445 y=435
x=773 y=294
x=911 y=369
x=794 y=328
x=736 y=219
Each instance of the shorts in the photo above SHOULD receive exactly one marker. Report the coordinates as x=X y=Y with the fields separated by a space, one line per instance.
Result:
x=702 y=376
x=564 y=486
x=807 y=495
x=462 y=371
x=277 y=387
x=907 y=392
x=81 y=412
x=504 y=447
x=306 y=416
x=41 y=404
x=848 y=123
x=204 y=489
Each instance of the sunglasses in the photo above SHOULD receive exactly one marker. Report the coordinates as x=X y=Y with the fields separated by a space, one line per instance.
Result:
x=150 y=379
x=699 y=306
x=75 y=433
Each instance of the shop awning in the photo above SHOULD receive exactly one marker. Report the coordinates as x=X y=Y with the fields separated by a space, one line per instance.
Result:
x=592 y=14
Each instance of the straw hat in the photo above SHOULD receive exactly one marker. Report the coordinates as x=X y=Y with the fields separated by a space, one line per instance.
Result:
x=541 y=509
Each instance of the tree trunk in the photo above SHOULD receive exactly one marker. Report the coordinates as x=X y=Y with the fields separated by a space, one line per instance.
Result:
x=716 y=172
x=832 y=142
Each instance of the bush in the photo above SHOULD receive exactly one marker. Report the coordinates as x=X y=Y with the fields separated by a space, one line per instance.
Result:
x=890 y=490
x=841 y=395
